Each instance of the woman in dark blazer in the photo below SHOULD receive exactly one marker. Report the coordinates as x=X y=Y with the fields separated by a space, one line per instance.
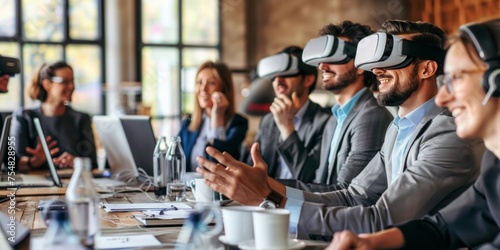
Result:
x=214 y=121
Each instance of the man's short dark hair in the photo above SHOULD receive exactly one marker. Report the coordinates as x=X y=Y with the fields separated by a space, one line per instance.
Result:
x=425 y=33
x=354 y=32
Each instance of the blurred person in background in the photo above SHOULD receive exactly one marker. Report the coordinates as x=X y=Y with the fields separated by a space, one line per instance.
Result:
x=290 y=135
x=214 y=121
x=68 y=131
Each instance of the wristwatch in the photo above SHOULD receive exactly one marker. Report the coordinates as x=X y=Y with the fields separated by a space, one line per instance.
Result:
x=273 y=200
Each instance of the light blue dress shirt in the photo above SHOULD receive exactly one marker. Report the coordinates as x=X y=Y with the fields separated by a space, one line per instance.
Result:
x=295 y=197
x=406 y=126
x=341 y=113
x=206 y=134
x=283 y=169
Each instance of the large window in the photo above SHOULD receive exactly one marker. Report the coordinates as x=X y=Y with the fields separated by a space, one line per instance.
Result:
x=51 y=30
x=176 y=36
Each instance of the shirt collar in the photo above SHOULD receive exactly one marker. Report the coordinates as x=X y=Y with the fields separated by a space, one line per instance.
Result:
x=343 y=111
x=297 y=120
x=414 y=117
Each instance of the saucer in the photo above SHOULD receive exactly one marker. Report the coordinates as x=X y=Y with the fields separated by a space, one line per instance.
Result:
x=292 y=245
x=222 y=238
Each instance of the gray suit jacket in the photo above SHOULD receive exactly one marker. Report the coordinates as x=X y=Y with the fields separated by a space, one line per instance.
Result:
x=301 y=150
x=361 y=137
x=438 y=166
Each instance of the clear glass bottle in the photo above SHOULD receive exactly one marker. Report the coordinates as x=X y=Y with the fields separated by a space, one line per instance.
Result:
x=160 y=168
x=59 y=234
x=83 y=202
x=176 y=170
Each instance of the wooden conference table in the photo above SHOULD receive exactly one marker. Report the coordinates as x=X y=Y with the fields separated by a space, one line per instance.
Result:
x=112 y=224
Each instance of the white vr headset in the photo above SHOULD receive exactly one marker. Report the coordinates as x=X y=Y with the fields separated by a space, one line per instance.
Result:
x=282 y=64
x=387 y=51
x=328 y=49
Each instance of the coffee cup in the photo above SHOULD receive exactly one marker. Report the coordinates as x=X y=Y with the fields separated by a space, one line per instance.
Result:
x=271 y=228
x=201 y=192
x=238 y=223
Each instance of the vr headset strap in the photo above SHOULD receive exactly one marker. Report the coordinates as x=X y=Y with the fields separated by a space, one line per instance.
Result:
x=423 y=51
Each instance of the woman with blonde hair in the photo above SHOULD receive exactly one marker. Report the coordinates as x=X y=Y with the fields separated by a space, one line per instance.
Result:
x=214 y=121
x=68 y=132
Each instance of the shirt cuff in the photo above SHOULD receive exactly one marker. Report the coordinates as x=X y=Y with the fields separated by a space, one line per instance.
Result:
x=217 y=133
x=295 y=207
x=292 y=193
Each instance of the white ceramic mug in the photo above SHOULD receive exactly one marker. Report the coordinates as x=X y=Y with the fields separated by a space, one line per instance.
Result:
x=238 y=223
x=271 y=228
x=201 y=191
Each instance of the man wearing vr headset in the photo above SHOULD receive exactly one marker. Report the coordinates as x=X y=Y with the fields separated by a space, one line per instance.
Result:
x=421 y=167
x=471 y=91
x=290 y=136
x=355 y=132
x=8 y=67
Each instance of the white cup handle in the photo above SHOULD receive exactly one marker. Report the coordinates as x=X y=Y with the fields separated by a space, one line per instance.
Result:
x=192 y=185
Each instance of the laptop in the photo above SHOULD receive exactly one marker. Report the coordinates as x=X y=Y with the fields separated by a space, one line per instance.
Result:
x=142 y=141
x=118 y=152
x=27 y=180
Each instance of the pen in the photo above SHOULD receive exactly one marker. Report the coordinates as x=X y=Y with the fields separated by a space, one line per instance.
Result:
x=151 y=213
x=172 y=207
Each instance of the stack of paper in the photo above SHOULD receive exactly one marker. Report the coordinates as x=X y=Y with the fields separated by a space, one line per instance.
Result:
x=127 y=207
x=169 y=218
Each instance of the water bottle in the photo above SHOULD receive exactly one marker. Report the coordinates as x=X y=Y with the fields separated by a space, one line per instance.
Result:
x=199 y=231
x=59 y=234
x=83 y=202
x=160 y=168
x=176 y=170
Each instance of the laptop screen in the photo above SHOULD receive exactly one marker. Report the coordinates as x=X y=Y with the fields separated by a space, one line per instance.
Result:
x=141 y=140
x=115 y=143
x=46 y=151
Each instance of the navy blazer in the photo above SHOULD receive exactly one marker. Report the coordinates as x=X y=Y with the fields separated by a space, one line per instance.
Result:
x=235 y=135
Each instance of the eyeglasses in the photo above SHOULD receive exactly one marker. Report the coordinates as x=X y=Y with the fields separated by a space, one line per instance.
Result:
x=450 y=77
x=58 y=79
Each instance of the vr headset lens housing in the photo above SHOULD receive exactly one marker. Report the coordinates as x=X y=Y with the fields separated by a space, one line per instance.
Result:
x=9 y=66
x=327 y=49
x=387 y=51
x=281 y=64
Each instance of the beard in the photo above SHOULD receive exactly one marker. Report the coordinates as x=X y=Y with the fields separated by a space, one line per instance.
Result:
x=343 y=81
x=396 y=96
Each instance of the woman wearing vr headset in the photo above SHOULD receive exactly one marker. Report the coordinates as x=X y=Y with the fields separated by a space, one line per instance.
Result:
x=214 y=121
x=68 y=131
x=471 y=92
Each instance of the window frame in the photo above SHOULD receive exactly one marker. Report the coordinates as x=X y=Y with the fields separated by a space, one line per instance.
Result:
x=179 y=46
x=66 y=40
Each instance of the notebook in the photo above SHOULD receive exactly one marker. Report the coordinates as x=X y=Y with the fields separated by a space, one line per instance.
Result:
x=27 y=180
x=170 y=218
